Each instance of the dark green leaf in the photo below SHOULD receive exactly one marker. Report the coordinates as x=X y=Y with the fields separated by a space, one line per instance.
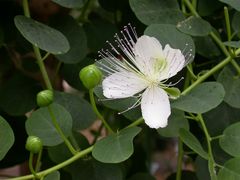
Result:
x=192 y=142
x=18 y=94
x=230 y=170
x=194 y=26
x=93 y=170
x=6 y=137
x=117 y=147
x=206 y=7
x=231 y=84
x=236 y=22
x=229 y=142
x=40 y=124
x=41 y=35
x=202 y=168
x=80 y=109
x=234 y=3
x=55 y=175
x=76 y=37
x=70 y=3
x=168 y=34
x=155 y=11
x=176 y=121
x=201 y=99
x=235 y=44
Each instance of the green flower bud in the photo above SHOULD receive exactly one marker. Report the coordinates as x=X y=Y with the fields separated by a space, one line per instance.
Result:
x=44 y=98
x=90 y=76
x=33 y=144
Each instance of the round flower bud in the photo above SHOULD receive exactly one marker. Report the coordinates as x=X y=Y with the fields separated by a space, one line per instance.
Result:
x=44 y=98
x=33 y=144
x=90 y=76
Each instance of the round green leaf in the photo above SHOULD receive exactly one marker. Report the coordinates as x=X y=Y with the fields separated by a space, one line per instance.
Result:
x=155 y=11
x=194 y=26
x=55 y=175
x=176 y=121
x=231 y=84
x=192 y=142
x=18 y=95
x=70 y=3
x=40 y=124
x=235 y=22
x=168 y=34
x=201 y=99
x=230 y=170
x=6 y=137
x=80 y=109
x=235 y=44
x=234 y=3
x=41 y=35
x=94 y=170
x=229 y=142
x=117 y=147
x=206 y=47
x=76 y=37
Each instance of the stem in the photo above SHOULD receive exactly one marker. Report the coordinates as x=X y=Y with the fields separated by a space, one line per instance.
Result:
x=57 y=167
x=179 y=160
x=194 y=3
x=93 y=103
x=210 y=72
x=191 y=8
x=26 y=8
x=135 y=123
x=37 y=51
x=217 y=137
x=189 y=68
x=30 y=164
x=228 y=26
x=45 y=56
x=211 y=162
x=59 y=130
x=38 y=163
x=42 y=68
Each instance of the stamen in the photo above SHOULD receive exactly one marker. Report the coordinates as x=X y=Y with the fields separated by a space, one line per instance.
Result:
x=137 y=103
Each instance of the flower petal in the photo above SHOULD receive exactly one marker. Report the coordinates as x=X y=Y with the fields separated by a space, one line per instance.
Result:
x=155 y=107
x=145 y=50
x=175 y=62
x=122 y=85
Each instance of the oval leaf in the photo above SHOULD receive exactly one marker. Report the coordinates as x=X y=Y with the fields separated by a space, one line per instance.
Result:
x=70 y=3
x=6 y=137
x=235 y=44
x=234 y=3
x=231 y=84
x=201 y=99
x=155 y=11
x=116 y=147
x=55 y=175
x=176 y=121
x=76 y=37
x=41 y=35
x=40 y=124
x=229 y=142
x=192 y=142
x=80 y=109
x=230 y=170
x=194 y=26
x=168 y=34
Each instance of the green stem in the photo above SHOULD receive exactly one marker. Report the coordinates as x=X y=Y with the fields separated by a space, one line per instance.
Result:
x=93 y=103
x=59 y=130
x=37 y=51
x=26 y=8
x=228 y=26
x=135 y=123
x=190 y=70
x=194 y=3
x=58 y=166
x=45 y=56
x=30 y=164
x=217 y=137
x=211 y=162
x=179 y=160
x=210 y=72
x=38 y=163
x=191 y=8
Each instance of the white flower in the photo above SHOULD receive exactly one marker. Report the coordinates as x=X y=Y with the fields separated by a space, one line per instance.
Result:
x=141 y=65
